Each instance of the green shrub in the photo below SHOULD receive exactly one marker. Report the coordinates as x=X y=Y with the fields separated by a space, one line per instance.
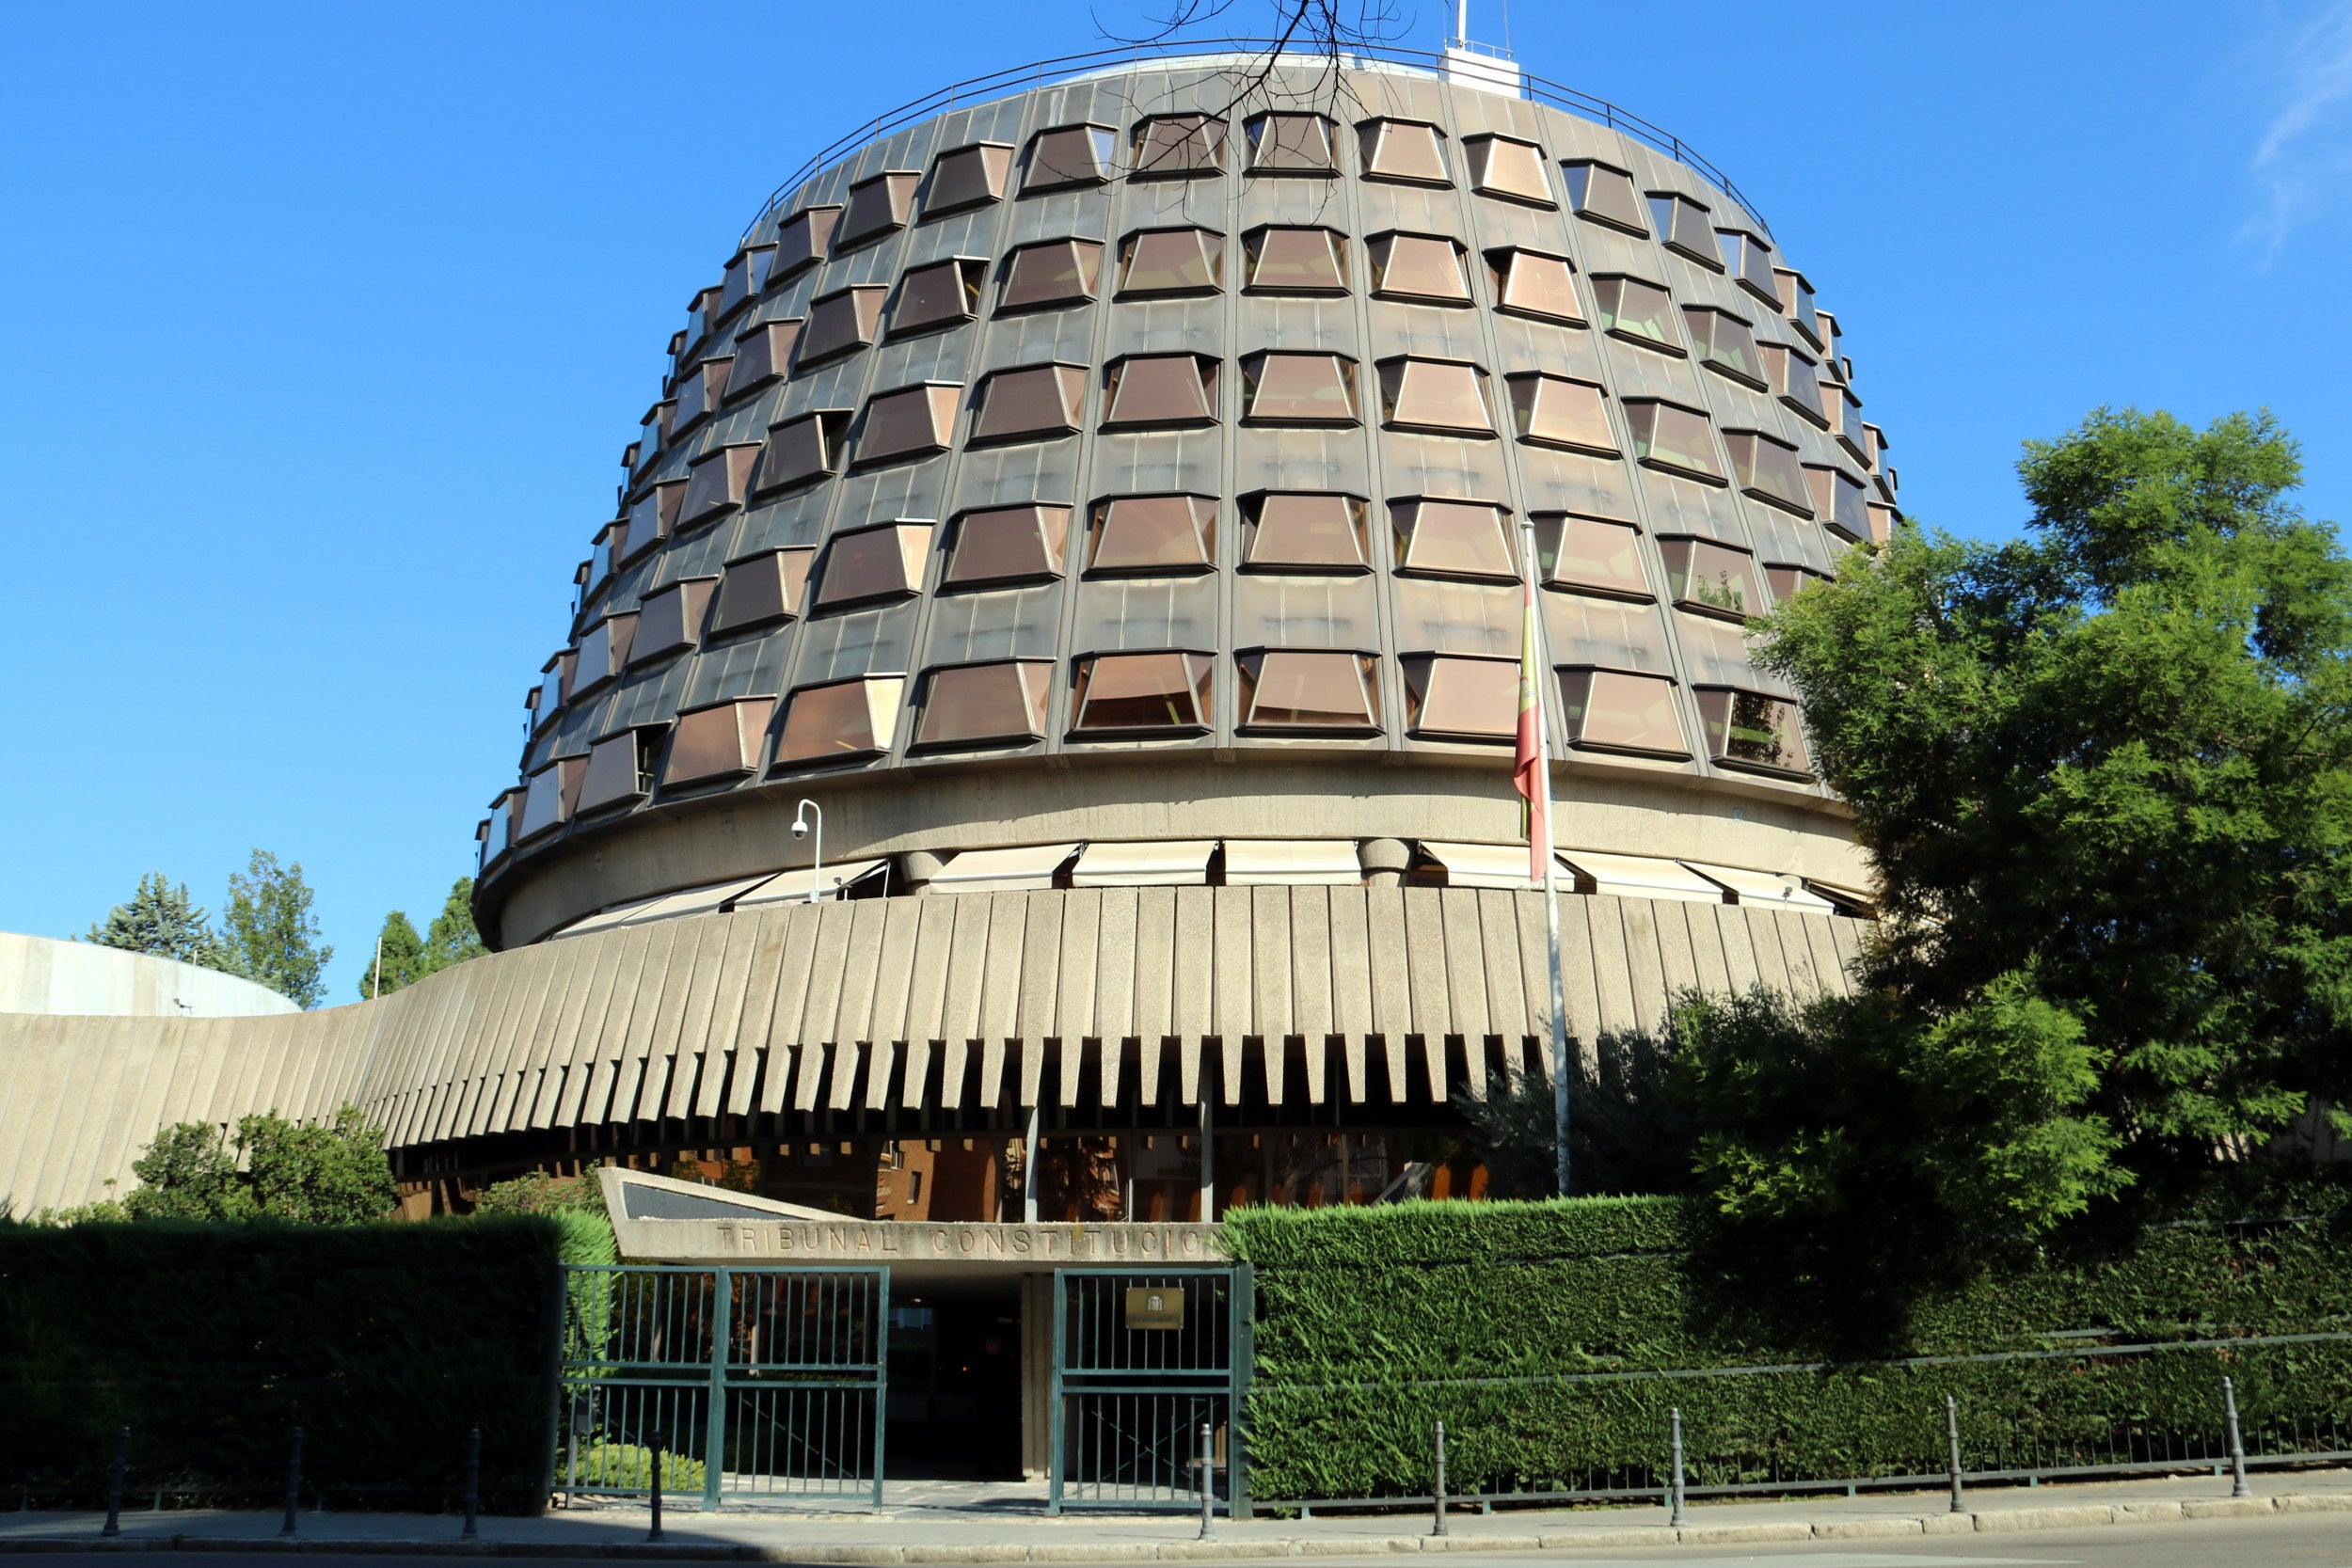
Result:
x=211 y=1342
x=1533 y=1331
x=630 y=1465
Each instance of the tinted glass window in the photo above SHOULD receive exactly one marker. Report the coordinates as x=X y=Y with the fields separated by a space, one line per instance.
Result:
x=1153 y=533
x=1683 y=224
x=1528 y=283
x=1769 y=471
x=1298 y=388
x=1435 y=395
x=1554 y=411
x=1710 y=578
x=1288 y=689
x=799 y=451
x=877 y=206
x=1747 y=729
x=845 y=718
x=907 y=422
x=1593 y=556
x=841 y=324
x=1072 y=155
x=1291 y=144
x=804 y=242
x=716 y=485
x=1505 y=167
x=1725 y=343
x=1143 y=693
x=1462 y=699
x=1605 y=194
x=713 y=742
x=1441 y=538
x=1174 y=146
x=1418 y=266
x=1669 y=436
x=1296 y=260
x=1611 y=710
x=871 y=564
x=943 y=294
x=1057 y=273
x=1025 y=405
x=1787 y=579
x=1011 y=543
x=1159 y=389
x=760 y=589
x=1637 y=311
x=761 y=356
x=1401 y=149
x=985 y=704
x=1170 y=262
x=968 y=177
x=1316 y=532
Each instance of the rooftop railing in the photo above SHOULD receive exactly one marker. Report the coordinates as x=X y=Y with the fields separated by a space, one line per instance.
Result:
x=1066 y=67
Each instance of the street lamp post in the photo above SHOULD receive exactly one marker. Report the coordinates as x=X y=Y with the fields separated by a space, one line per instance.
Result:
x=800 y=830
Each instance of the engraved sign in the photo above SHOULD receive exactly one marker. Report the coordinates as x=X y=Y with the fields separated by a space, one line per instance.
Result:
x=1155 y=1306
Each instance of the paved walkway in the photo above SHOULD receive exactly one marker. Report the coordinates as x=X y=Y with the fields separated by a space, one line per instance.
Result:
x=934 y=1522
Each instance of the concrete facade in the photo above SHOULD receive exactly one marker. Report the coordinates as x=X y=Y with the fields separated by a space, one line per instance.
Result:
x=42 y=974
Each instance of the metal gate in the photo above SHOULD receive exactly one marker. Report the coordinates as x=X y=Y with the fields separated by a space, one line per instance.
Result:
x=1141 y=1361
x=760 y=1382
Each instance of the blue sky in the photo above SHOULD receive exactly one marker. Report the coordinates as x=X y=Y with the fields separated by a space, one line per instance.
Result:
x=321 y=329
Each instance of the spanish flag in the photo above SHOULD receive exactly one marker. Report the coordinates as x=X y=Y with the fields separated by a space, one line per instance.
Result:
x=1527 y=758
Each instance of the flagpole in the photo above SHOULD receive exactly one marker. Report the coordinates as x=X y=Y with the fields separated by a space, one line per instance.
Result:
x=1539 y=823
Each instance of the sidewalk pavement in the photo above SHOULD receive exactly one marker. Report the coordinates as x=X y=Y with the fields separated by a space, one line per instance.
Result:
x=931 y=1522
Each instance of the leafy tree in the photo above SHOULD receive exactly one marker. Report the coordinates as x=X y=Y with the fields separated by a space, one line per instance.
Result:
x=399 y=959
x=1628 y=1131
x=272 y=936
x=335 y=1174
x=2102 y=775
x=452 y=939
x=162 y=919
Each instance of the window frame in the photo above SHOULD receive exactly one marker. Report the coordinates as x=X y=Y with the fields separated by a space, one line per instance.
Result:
x=1617 y=748
x=1248 y=678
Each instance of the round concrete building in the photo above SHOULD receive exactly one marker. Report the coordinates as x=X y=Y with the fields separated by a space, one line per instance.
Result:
x=1096 y=514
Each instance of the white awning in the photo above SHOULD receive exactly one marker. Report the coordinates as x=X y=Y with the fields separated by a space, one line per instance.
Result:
x=1764 y=890
x=791 y=887
x=1003 y=870
x=1183 y=863
x=605 y=920
x=1480 y=864
x=1640 y=876
x=1293 y=862
x=694 y=900
x=1860 y=900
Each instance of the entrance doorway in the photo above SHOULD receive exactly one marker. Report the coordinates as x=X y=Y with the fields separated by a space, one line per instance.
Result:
x=954 y=1400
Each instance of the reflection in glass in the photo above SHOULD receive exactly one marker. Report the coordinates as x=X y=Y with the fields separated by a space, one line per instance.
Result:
x=1284 y=688
x=983 y=704
x=1747 y=729
x=1143 y=693
x=1615 y=710
x=1637 y=311
x=1296 y=262
x=1153 y=533
x=1012 y=543
x=1710 y=578
x=1317 y=532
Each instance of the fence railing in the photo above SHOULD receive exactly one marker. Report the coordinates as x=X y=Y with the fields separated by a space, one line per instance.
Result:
x=1037 y=74
x=1894 y=1429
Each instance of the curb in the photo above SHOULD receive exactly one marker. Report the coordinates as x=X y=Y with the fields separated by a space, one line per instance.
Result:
x=1999 y=1521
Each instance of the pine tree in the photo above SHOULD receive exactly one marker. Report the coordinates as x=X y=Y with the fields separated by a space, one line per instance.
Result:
x=163 y=921
x=402 y=959
x=452 y=938
x=271 y=934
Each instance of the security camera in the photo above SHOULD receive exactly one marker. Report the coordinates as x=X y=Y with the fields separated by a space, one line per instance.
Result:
x=800 y=830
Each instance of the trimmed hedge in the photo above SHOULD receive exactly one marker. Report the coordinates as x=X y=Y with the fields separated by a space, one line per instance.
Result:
x=385 y=1343
x=1374 y=1323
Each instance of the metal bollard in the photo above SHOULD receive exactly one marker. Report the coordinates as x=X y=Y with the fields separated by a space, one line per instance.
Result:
x=1438 y=1493
x=1674 y=1495
x=654 y=1446
x=473 y=1480
x=114 y=1490
x=1951 y=1431
x=293 y=1485
x=2237 y=1448
x=1208 y=1482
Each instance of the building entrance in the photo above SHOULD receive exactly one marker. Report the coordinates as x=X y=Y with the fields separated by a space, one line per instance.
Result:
x=954 y=1400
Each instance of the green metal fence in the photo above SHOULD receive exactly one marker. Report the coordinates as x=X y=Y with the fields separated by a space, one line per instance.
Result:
x=1142 y=1363
x=756 y=1382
